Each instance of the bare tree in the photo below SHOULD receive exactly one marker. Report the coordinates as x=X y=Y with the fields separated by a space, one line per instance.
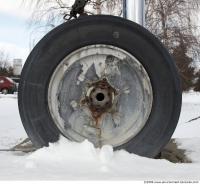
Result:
x=49 y=13
x=5 y=67
x=197 y=86
x=111 y=7
x=3 y=59
x=172 y=22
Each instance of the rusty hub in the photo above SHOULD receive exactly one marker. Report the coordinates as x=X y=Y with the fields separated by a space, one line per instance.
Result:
x=100 y=97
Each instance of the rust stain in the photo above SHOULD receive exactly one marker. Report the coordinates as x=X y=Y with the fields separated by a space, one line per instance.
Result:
x=97 y=110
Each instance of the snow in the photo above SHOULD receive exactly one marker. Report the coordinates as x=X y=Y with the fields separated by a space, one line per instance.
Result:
x=67 y=160
x=192 y=147
x=11 y=129
x=190 y=110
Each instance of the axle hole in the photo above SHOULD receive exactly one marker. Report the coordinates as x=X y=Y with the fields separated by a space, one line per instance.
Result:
x=100 y=97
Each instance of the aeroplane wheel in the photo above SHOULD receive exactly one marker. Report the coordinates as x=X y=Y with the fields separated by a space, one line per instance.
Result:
x=101 y=78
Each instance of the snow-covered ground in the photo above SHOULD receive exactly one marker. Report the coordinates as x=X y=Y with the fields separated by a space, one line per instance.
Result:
x=72 y=161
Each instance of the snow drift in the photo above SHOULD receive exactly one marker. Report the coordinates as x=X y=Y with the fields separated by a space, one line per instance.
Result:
x=67 y=160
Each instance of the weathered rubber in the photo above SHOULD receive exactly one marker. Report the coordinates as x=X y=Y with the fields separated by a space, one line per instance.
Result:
x=131 y=37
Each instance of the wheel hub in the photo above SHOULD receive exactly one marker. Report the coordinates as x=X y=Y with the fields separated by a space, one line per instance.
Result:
x=100 y=97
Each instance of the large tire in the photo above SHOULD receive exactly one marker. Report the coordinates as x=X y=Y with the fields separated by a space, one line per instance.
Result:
x=107 y=30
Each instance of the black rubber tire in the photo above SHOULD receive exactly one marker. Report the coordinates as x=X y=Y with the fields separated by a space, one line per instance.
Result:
x=66 y=38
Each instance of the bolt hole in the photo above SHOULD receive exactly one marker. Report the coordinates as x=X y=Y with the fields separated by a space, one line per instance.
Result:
x=100 y=97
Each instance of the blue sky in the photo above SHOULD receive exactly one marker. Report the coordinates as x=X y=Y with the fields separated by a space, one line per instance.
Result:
x=14 y=30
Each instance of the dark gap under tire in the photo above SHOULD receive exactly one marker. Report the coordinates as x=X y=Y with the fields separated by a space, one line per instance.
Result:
x=101 y=30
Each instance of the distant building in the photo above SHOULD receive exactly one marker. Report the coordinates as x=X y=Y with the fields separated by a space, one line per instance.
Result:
x=17 y=67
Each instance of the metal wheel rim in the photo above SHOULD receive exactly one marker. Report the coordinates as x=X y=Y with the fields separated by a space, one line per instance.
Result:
x=69 y=87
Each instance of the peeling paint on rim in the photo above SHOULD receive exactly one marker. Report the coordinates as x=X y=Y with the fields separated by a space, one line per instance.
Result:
x=69 y=85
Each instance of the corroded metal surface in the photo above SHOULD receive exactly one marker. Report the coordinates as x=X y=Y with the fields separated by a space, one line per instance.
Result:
x=100 y=93
x=100 y=98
